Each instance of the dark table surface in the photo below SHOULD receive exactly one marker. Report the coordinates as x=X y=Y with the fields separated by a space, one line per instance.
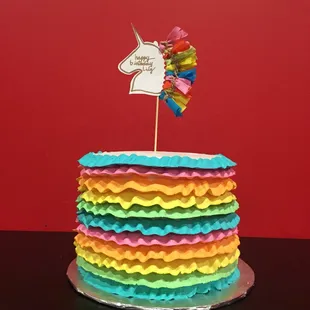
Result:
x=34 y=264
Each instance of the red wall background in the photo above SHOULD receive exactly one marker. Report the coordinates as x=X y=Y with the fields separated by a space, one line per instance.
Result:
x=62 y=96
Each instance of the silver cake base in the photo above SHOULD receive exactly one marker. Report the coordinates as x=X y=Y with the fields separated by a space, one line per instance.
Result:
x=211 y=300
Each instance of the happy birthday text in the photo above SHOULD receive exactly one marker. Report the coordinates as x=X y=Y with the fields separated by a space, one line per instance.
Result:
x=144 y=62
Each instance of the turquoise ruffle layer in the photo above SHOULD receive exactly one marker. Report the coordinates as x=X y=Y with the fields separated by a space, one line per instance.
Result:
x=96 y=160
x=161 y=226
x=144 y=292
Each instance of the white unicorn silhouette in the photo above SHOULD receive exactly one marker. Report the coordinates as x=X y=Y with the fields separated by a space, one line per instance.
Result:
x=148 y=61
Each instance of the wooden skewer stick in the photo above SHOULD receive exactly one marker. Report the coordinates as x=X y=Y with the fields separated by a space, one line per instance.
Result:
x=156 y=124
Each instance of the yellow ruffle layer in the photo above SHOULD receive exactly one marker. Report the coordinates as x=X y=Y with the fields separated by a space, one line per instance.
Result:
x=128 y=198
x=176 y=267
x=167 y=254
x=198 y=188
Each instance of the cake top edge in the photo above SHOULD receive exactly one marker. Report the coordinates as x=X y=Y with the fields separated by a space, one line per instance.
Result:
x=156 y=159
x=159 y=154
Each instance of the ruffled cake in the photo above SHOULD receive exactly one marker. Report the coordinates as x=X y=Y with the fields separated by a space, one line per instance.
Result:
x=158 y=226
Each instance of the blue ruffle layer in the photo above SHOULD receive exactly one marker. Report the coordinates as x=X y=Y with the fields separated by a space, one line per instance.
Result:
x=144 y=292
x=96 y=160
x=161 y=226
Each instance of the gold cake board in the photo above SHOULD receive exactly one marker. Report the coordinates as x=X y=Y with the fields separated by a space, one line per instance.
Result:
x=211 y=300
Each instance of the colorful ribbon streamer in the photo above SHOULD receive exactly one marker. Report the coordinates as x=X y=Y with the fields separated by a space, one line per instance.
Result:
x=180 y=61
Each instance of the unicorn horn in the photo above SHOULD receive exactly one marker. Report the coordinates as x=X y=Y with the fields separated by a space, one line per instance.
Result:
x=139 y=39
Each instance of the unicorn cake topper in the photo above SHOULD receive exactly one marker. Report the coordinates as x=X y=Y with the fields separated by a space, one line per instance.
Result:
x=148 y=62
x=166 y=70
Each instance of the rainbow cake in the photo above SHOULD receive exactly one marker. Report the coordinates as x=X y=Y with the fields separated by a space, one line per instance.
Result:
x=157 y=225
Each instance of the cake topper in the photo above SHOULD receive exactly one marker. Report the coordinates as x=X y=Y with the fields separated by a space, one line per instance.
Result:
x=166 y=70
x=147 y=61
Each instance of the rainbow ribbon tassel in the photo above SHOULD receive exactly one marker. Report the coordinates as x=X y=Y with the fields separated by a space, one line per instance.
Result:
x=180 y=64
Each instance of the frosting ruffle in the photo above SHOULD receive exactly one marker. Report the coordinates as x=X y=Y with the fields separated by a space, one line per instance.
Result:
x=157 y=225
x=160 y=226
x=154 y=280
x=166 y=254
x=135 y=239
x=156 y=211
x=176 y=267
x=162 y=172
x=101 y=159
x=129 y=198
x=144 y=292
x=198 y=188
